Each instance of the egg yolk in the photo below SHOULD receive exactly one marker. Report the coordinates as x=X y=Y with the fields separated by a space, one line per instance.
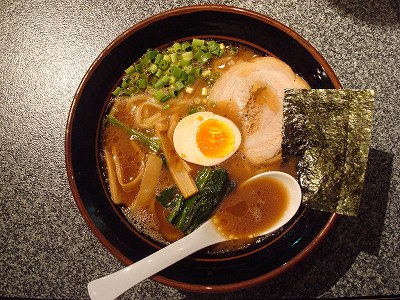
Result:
x=214 y=138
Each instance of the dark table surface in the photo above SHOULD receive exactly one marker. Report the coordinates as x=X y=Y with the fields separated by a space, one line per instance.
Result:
x=47 y=251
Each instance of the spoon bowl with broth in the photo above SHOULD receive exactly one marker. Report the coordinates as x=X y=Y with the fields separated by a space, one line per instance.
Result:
x=274 y=199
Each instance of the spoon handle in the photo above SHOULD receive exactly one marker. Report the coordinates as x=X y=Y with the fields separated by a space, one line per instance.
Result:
x=113 y=285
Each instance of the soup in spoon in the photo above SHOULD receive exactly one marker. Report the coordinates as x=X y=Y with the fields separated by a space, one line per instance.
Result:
x=254 y=207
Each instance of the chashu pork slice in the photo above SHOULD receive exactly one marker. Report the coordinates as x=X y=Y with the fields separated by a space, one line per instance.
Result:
x=252 y=93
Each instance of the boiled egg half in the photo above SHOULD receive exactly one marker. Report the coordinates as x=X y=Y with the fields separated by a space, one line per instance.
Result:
x=205 y=138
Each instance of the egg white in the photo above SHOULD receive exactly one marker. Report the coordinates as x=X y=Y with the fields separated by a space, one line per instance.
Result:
x=184 y=138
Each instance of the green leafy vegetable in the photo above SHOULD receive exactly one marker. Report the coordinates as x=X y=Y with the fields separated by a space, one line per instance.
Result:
x=188 y=214
x=172 y=199
x=150 y=141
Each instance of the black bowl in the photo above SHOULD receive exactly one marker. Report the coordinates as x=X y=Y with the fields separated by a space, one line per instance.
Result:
x=203 y=271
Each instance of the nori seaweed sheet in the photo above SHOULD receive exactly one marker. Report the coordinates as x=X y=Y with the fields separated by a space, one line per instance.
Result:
x=330 y=130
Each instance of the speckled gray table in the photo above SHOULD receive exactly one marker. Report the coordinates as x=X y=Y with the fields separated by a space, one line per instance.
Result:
x=47 y=251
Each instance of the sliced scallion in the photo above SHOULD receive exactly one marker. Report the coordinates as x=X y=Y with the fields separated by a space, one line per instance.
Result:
x=179 y=85
x=158 y=58
x=173 y=92
x=185 y=62
x=117 y=91
x=163 y=64
x=142 y=83
x=197 y=42
x=186 y=46
x=153 y=69
x=130 y=70
x=176 y=71
x=159 y=73
x=161 y=96
x=151 y=54
x=165 y=73
x=187 y=55
x=159 y=84
x=139 y=67
x=177 y=47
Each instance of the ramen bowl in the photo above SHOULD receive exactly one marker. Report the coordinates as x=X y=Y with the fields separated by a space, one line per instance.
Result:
x=204 y=271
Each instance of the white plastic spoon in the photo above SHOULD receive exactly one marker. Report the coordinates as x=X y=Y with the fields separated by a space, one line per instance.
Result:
x=113 y=285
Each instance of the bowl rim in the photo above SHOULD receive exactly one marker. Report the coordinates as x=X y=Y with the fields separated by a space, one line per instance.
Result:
x=68 y=135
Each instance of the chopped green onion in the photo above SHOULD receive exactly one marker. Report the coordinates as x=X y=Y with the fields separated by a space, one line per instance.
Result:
x=145 y=60
x=117 y=91
x=142 y=83
x=205 y=57
x=153 y=80
x=176 y=72
x=204 y=48
x=167 y=57
x=139 y=67
x=186 y=46
x=197 y=42
x=197 y=54
x=187 y=55
x=185 y=62
x=130 y=70
x=159 y=73
x=197 y=71
x=172 y=80
x=172 y=92
x=153 y=69
x=158 y=58
x=174 y=57
x=183 y=76
x=165 y=79
x=189 y=69
x=159 y=84
x=133 y=90
x=177 y=47
x=124 y=84
x=212 y=46
x=161 y=96
x=172 y=70
x=179 y=85
x=216 y=52
x=190 y=79
x=151 y=54
x=163 y=64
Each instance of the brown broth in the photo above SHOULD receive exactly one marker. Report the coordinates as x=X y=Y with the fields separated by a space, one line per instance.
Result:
x=252 y=208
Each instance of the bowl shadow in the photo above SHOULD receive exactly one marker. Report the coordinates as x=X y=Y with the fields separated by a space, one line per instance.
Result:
x=334 y=256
